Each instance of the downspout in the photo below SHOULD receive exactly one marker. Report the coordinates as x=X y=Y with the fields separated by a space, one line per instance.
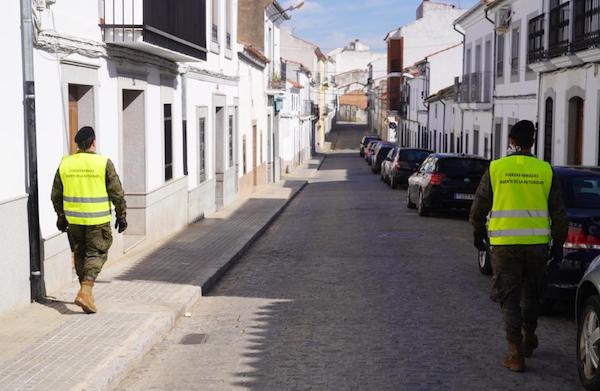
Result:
x=33 y=212
x=493 y=83
x=184 y=121
x=444 y=119
x=541 y=103
x=462 y=112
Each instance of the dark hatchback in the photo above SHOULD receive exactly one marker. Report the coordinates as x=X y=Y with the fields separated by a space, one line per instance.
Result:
x=406 y=163
x=365 y=141
x=445 y=182
x=581 y=192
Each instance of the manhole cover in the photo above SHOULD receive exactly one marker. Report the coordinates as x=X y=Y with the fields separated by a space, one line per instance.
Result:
x=194 y=339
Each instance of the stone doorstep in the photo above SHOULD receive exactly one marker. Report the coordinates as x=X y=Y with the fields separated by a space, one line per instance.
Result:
x=78 y=351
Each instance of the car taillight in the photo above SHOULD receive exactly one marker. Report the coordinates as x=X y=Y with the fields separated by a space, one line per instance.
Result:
x=436 y=178
x=577 y=238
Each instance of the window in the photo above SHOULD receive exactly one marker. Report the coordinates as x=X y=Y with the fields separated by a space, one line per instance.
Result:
x=228 y=10
x=244 y=157
x=168 y=137
x=230 y=141
x=201 y=149
x=548 y=125
x=535 y=51
x=476 y=142
x=215 y=20
x=500 y=60
x=559 y=31
x=515 y=47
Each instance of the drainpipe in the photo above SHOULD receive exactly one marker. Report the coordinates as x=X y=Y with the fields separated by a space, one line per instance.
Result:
x=33 y=213
x=443 y=120
x=184 y=120
x=462 y=122
x=492 y=130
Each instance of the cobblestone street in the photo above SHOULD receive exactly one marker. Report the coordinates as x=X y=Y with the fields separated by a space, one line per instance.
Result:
x=350 y=290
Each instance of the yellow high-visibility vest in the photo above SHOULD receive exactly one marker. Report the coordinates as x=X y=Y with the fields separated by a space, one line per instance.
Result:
x=85 y=199
x=521 y=186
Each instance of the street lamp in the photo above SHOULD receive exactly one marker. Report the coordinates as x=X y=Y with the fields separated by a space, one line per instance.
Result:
x=289 y=9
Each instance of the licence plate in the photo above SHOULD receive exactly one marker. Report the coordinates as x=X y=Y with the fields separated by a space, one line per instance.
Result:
x=462 y=196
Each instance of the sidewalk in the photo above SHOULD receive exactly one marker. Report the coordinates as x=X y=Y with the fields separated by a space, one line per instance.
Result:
x=54 y=346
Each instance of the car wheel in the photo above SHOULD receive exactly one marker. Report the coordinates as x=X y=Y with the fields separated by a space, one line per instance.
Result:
x=423 y=210
x=409 y=203
x=484 y=262
x=588 y=344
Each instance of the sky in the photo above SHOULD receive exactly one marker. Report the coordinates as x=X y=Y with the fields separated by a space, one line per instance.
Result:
x=333 y=23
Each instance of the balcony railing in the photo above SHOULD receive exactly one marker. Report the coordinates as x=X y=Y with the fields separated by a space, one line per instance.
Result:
x=536 y=50
x=586 y=26
x=174 y=29
x=476 y=87
x=560 y=22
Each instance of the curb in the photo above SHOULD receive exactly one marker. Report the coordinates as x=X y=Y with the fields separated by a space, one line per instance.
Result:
x=210 y=283
x=119 y=365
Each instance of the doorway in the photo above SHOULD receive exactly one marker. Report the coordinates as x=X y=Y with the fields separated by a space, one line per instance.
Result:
x=81 y=111
x=575 y=136
x=221 y=165
x=254 y=157
x=133 y=161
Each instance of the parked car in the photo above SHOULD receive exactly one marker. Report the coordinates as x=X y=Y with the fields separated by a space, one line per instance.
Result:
x=581 y=193
x=387 y=164
x=365 y=142
x=379 y=154
x=444 y=182
x=587 y=315
x=369 y=149
x=406 y=163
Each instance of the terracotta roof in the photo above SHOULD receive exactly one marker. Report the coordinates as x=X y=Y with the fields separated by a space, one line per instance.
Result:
x=256 y=53
x=295 y=84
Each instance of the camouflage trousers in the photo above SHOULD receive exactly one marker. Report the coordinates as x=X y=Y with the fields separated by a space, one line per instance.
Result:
x=517 y=285
x=90 y=244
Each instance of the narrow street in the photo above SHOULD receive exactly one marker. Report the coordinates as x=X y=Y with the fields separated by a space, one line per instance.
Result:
x=350 y=290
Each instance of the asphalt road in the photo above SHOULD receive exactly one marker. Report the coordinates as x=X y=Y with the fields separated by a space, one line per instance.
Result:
x=349 y=290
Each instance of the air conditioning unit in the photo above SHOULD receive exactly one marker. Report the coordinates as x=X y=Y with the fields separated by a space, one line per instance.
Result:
x=503 y=19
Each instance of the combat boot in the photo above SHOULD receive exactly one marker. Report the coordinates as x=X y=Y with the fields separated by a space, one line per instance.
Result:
x=530 y=343
x=515 y=361
x=85 y=298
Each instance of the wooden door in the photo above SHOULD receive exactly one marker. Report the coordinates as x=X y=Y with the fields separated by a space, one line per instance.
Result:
x=254 y=157
x=73 y=118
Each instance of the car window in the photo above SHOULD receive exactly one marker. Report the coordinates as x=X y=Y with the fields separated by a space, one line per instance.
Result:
x=459 y=166
x=581 y=192
x=413 y=155
x=424 y=166
x=390 y=155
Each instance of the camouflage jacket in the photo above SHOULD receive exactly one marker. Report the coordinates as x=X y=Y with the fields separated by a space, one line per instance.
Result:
x=113 y=188
x=484 y=199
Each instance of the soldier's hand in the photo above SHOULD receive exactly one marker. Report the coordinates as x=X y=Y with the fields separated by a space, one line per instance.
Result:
x=62 y=223
x=480 y=243
x=121 y=224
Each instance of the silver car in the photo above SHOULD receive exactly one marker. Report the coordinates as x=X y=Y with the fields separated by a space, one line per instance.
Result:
x=588 y=327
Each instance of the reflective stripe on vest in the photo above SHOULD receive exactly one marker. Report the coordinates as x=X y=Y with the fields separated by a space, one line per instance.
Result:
x=85 y=199
x=521 y=186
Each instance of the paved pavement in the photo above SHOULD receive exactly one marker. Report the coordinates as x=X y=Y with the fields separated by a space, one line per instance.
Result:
x=349 y=290
x=53 y=346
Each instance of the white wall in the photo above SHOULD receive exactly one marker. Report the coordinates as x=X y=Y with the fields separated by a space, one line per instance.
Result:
x=14 y=239
x=444 y=67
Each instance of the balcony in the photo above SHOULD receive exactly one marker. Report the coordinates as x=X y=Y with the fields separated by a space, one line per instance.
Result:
x=586 y=30
x=559 y=30
x=536 y=52
x=172 y=29
x=475 y=91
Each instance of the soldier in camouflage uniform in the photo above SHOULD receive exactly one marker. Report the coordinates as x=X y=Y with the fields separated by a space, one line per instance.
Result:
x=520 y=269
x=89 y=242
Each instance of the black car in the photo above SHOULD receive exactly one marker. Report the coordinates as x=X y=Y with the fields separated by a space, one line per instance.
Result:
x=581 y=193
x=406 y=163
x=444 y=182
x=365 y=141
x=381 y=151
